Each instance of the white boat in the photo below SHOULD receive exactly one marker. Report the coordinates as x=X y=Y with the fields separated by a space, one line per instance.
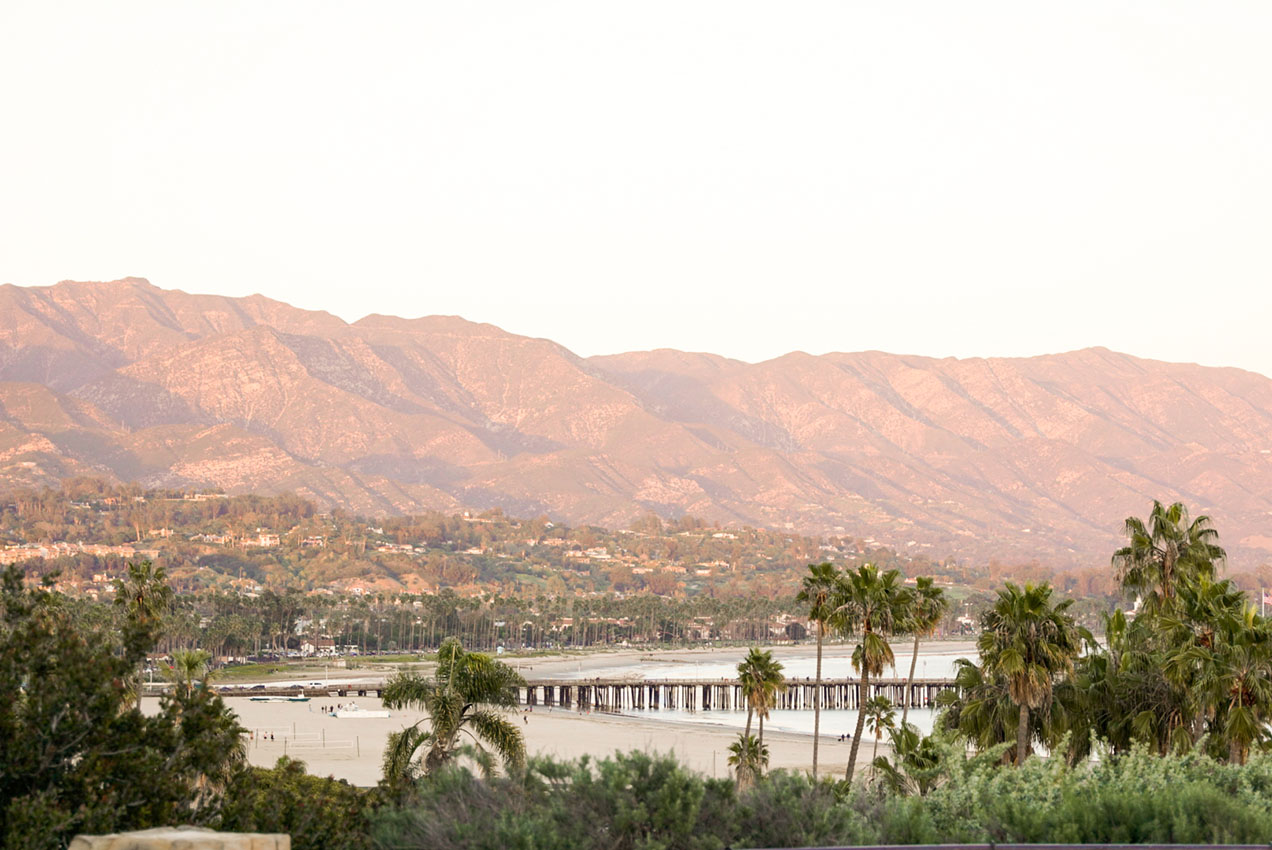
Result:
x=353 y=710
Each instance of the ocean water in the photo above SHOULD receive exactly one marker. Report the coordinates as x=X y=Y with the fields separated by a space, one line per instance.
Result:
x=833 y=722
x=933 y=662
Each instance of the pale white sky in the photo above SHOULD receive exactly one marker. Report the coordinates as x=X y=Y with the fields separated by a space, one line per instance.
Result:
x=747 y=178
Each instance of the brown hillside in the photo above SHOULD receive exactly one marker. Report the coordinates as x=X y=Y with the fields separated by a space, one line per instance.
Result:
x=1010 y=458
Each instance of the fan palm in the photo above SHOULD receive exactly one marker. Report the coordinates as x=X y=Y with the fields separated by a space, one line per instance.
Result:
x=761 y=679
x=468 y=695
x=144 y=597
x=1166 y=551
x=1029 y=641
x=748 y=758
x=873 y=604
x=918 y=766
x=979 y=708
x=928 y=606
x=880 y=716
x=190 y=666
x=817 y=592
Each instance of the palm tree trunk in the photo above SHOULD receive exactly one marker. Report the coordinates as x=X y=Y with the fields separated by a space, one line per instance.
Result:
x=761 y=740
x=1022 y=735
x=862 y=698
x=821 y=634
x=909 y=683
x=874 y=753
x=749 y=711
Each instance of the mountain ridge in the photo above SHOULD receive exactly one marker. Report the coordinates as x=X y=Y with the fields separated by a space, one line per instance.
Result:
x=1014 y=458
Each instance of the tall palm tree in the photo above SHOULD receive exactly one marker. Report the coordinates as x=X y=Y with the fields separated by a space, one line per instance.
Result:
x=880 y=716
x=468 y=694
x=144 y=597
x=872 y=604
x=1029 y=641
x=817 y=592
x=1167 y=550
x=928 y=606
x=761 y=679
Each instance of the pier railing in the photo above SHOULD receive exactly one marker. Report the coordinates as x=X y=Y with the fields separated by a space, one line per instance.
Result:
x=720 y=694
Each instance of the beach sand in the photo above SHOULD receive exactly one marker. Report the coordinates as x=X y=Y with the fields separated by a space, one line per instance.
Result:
x=352 y=749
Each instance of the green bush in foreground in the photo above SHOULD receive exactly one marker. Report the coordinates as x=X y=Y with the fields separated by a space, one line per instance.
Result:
x=636 y=801
x=318 y=813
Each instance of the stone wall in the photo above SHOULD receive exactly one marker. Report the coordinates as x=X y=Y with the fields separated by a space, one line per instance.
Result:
x=182 y=838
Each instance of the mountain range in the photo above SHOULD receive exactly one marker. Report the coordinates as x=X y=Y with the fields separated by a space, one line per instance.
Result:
x=1012 y=458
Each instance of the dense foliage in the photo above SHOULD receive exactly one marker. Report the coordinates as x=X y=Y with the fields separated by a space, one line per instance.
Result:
x=78 y=755
x=641 y=801
x=318 y=813
x=1191 y=670
x=1175 y=702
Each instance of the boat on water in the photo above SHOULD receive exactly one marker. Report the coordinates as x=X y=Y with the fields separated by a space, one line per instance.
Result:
x=353 y=710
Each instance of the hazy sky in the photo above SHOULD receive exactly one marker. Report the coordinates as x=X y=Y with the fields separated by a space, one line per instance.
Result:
x=747 y=178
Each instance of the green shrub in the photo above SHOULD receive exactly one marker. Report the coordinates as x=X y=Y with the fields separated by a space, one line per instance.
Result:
x=636 y=801
x=318 y=813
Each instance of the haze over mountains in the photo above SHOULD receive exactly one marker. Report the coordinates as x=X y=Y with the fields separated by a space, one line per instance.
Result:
x=1011 y=458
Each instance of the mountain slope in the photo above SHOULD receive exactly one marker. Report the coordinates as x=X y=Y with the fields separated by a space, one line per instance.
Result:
x=1011 y=458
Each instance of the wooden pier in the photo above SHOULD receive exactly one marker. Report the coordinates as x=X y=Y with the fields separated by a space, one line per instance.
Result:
x=718 y=694
x=654 y=694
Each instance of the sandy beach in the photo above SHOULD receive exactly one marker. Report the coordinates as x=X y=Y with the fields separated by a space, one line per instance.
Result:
x=351 y=749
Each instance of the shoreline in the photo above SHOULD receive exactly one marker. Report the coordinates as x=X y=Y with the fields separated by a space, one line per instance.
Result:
x=352 y=749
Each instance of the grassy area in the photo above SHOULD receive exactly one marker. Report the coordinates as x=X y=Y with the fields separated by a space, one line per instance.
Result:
x=372 y=660
x=239 y=672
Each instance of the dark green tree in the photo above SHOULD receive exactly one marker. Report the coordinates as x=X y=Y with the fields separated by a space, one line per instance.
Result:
x=1030 y=642
x=78 y=755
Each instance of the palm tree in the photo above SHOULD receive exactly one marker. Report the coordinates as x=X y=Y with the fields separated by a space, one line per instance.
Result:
x=1028 y=641
x=748 y=758
x=873 y=604
x=144 y=598
x=918 y=766
x=468 y=694
x=817 y=592
x=928 y=606
x=979 y=708
x=761 y=679
x=880 y=716
x=1165 y=552
x=190 y=666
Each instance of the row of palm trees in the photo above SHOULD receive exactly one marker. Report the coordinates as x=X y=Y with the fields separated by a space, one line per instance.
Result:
x=866 y=603
x=1191 y=669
